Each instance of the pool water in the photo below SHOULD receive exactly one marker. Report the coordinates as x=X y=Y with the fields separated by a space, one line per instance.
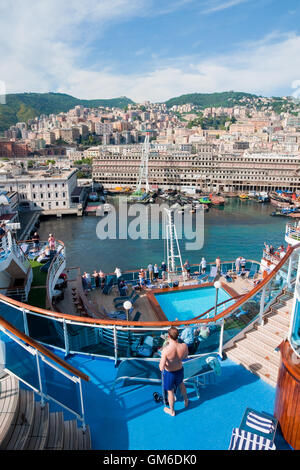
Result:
x=189 y=303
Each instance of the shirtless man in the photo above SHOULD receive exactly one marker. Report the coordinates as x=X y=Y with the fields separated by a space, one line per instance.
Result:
x=172 y=369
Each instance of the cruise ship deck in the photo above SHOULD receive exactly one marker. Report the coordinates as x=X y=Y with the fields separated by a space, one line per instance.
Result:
x=130 y=419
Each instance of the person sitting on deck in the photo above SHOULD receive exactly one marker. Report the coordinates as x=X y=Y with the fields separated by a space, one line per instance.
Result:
x=172 y=369
x=272 y=250
x=243 y=272
x=44 y=256
x=123 y=288
x=243 y=262
x=188 y=337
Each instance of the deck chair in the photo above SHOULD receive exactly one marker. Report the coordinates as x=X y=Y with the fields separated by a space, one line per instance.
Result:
x=212 y=275
x=125 y=297
x=132 y=300
x=225 y=274
x=243 y=440
x=256 y=432
x=262 y=424
x=137 y=316
x=108 y=286
x=194 y=370
x=252 y=272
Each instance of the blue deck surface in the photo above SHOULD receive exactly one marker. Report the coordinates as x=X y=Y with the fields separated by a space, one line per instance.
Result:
x=129 y=419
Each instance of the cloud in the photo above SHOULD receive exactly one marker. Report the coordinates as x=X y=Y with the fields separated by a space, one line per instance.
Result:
x=51 y=49
x=263 y=67
x=217 y=6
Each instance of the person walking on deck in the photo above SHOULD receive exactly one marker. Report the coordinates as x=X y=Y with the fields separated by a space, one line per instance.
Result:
x=172 y=368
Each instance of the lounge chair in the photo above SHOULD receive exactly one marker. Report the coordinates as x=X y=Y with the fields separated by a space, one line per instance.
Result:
x=252 y=272
x=108 y=286
x=212 y=275
x=227 y=276
x=132 y=300
x=148 y=371
x=256 y=432
x=243 y=440
x=136 y=316
x=126 y=297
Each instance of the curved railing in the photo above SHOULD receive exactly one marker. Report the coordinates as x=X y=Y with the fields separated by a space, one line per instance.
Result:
x=293 y=231
x=49 y=376
x=119 y=339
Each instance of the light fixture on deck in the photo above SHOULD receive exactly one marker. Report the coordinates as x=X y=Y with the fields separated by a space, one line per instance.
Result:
x=127 y=305
x=217 y=286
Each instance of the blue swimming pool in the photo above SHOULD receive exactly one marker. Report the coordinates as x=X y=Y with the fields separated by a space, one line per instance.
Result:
x=189 y=303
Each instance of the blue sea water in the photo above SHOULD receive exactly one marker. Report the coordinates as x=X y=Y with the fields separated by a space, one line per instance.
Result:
x=240 y=228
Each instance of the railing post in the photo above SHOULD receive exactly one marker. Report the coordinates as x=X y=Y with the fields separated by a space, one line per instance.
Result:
x=261 y=307
x=26 y=330
x=115 y=344
x=221 y=340
x=66 y=338
x=40 y=379
x=82 y=407
x=289 y=274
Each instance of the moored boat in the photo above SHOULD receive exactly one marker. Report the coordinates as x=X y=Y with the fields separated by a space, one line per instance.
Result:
x=205 y=200
x=217 y=200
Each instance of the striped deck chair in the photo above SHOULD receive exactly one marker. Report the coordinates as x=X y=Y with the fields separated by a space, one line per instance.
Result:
x=244 y=440
x=262 y=424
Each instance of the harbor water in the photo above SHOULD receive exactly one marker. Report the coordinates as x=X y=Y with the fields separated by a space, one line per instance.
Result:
x=240 y=228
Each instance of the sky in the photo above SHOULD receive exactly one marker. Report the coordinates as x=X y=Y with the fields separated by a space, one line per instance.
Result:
x=150 y=49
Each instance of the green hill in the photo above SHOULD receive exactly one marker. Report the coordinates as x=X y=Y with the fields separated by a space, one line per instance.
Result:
x=20 y=107
x=204 y=100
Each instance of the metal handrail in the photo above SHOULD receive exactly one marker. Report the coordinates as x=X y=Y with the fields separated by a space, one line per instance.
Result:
x=43 y=357
x=94 y=321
